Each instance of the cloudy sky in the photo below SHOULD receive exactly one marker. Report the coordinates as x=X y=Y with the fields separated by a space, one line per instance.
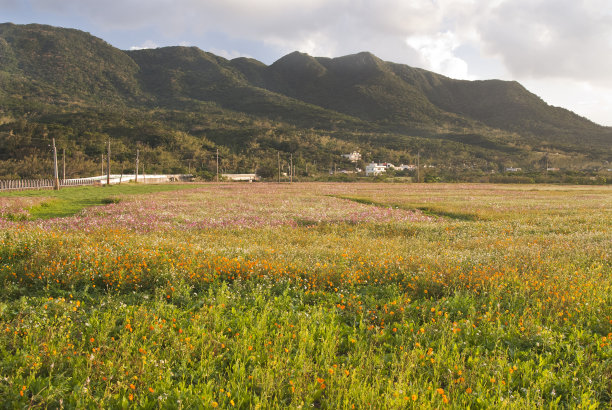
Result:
x=559 y=49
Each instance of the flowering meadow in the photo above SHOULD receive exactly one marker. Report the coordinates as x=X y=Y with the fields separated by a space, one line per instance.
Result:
x=334 y=296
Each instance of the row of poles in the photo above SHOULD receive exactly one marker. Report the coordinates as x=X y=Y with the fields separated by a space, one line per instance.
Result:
x=291 y=170
x=56 y=183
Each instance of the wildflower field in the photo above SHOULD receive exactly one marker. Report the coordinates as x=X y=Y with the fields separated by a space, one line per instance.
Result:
x=310 y=295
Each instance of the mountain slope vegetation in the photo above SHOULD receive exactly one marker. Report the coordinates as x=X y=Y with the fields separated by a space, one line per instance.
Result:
x=179 y=104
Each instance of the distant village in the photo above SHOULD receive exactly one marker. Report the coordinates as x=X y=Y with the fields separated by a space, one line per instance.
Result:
x=374 y=168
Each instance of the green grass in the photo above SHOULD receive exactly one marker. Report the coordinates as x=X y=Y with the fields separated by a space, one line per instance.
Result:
x=446 y=211
x=511 y=311
x=71 y=200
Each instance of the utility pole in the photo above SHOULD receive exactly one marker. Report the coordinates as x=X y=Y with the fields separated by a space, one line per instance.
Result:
x=102 y=164
x=217 y=164
x=108 y=165
x=291 y=169
x=55 y=174
x=278 y=153
x=137 y=161
x=418 y=166
x=64 y=163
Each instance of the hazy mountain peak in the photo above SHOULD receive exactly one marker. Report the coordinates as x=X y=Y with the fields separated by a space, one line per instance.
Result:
x=364 y=58
x=360 y=65
x=299 y=63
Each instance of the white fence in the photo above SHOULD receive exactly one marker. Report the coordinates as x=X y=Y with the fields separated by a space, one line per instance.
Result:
x=23 y=184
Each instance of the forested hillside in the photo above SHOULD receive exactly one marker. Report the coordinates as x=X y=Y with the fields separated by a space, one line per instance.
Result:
x=178 y=105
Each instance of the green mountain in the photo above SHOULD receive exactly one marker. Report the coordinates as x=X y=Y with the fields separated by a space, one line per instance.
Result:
x=179 y=104
x=63 y=65
x=178 y=76
x=359 y=85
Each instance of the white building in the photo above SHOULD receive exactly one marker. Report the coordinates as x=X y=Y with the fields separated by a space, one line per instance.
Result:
x=406 y=167
x=377 y=169
x=353 y=156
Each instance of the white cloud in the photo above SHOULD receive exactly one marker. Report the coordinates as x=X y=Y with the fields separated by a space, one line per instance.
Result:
x=569 y=41
x=316 y=44
x=12 y=4
x=580 y=97
x=551 y=39
x=437 y=52
x=231 y=54
x=146 y=45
